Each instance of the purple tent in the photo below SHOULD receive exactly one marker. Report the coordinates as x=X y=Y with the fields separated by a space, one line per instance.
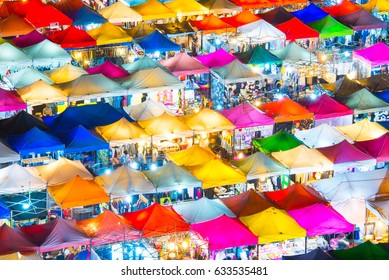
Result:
x=247 y=115
x=361 y=20
x=377 y=148
x=109 y=69
x=32 y=38
x=216 y=59
x=12 y=240
x=319 y=219
x=225 y=232
x=10 y=100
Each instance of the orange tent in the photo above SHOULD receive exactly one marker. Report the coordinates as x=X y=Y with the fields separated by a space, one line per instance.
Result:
x=108 y=228
x=247 y=203
x=78 y=192
x=212 y=23
x=344 y=8
x=156 y=220
x=286 y=110
x=14 y=26
x=242 y=18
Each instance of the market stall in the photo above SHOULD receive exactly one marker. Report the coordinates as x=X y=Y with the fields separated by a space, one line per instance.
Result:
x=371 y=60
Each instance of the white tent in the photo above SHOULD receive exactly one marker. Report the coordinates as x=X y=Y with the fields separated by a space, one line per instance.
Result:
x=146 y=110
x=7 y=154
x=26 y=77
x=321 y=136
x=261 y=32
x=47 y=53
x=12 y=57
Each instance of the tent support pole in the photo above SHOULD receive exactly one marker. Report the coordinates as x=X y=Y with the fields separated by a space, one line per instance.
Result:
x=47 y=203
x=306 y=244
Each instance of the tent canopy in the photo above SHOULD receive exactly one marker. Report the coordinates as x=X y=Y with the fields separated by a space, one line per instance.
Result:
x=144 y=62
x=343 y=86
x=310 y=13
x=26 y=77
x=295 y=29
x=362 y=20
x=7 y=154
x=156 y=41
x=109 y=69
x=258 y=56
x=261 y=32
x=220 y=6
x=362 y=130
x=343 y=8
x=286 y=110
x=186 y=7
x=153 y=10
x=293 y=53
x=277 y=16
x=118 y=13
x=40 y=92
x=47 y=53
x=235 y=72
x=281 y=141
x=172 y=29
x=208 y=120
x=321 y=136
x=13 y=25
x=192 y=156
x=364 y=251
x=241 y=18
x=21 y=123
x=377 y=148
x=13 y=240
x=13 y=56
x=72 y=37
x=375 y=83
x=146 y=110
x=10 y=100
x=183 y=64
x=259 y=165
x=216 y=59
x=329 y=27
x=246 y=115
x=374 y=55
x=78 y=192
x=108 y=34
x=52 y=15
x=65 y=73
x=166 y=125
x=381 y=6
x=29 y=39
x=212 y=23
x=141 y=30
x=316 y=254
x=85 y=17
x=124 y=181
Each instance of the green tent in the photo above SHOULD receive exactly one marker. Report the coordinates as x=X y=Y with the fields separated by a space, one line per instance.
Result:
x=281 y=141
x=293 y=53
x=364 y=251
x=330 y=27
x=257 y=56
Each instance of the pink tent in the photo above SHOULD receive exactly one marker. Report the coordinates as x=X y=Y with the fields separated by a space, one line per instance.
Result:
x=375 y=55
x=216 y=59
x=109 y=69
x=346 y=153
x=326 y=107
x=10 y=100
x=319 y=219
x=57 y=234
x=377 y=148
x=12 y=241
x=247 y=115
x=225 y=232
x=32 y=38
x=183 y=64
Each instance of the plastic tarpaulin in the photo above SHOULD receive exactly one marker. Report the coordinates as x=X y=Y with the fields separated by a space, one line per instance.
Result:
x=321 y=136
x=329 y=27
x=35 y=141
x=78 y=192
x=217 y=233
x=202 y=210
x=374 y=55
x=183 y=64
x=363 y=130
x=377 y=148
x=281 y=141
x=246 y=115
x=192 y=156
x=259 y=165
x=156 y=220
x=72 y=37
x=218 y=58
x=124 y=181
x=273 y=225
x=108 y=227
x=156 y=41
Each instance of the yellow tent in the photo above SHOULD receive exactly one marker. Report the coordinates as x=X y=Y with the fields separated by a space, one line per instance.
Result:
x=121 y=131
x=78 y=192
x=19 y=257
x=208 y=120
x=195 y=155
x=41 y=93
x=380 y=6
x=187 y=7
x=217 y=172
x=273 y=225
x=108 y=34
x=65 y=73
x=363 y=130
x=61 y=171
x=303 y=160
x=118 y=13
x=167 y=126
x=152 y=9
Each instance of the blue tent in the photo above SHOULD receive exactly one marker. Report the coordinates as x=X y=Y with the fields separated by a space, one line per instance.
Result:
x=310 y=13
x=35 y=141
x=89 y=116
x=156 y=41
x=384 y=95
x=5 y=213
x=134 y=2
x=79 y=139
x=85 y=16
x=20 y=123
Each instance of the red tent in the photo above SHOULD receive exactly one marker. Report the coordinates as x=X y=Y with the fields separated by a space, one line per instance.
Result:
x=72 y=37
x=12 y=240
x=344 y=8
x=67 y=6
x=295 y=196
x=242 y=18
x=295 y=29
x=29 y=39
x=108 y=228
x=10 y=100
x=46 y=16
x=19 y=8
x=326 y=107
x=55 y=235
x=109 y=69
x=212 y=23
x=156 y=220
x=377 y=148
x=286 y=110
x=247 y=203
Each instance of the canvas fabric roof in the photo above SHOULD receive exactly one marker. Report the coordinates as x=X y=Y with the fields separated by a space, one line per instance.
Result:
x=235 y=72
x=26 y=77
x=108 y=34
x=345 y=7
x=192 y=156
x=364 y=251
x=362 y=130
x=118 y=13
x=242 y=18
x=277 y=15
x=13 y=56
x=362 y=20
x=295 y=29
x=142 y=63
x=72 y=37
x=166 y=125
x=7 y=154
x=21 y=123
x=212 y=23
x=156 y=41
x=47 y=53
x=280 y=141
x=208 y=120
x=152 y=9
x=183 y=64
x=329 y=27
x=146 y=110
x=258 y=55
x=29 y=39
x=141 y=30
x=13 y=25
x=216 y=59
x=261 y=32
x=10 y=100
x=65 y=73
x=186 y=7
x=14 y=241
x=374 y=55
x=40 y=92
x=310 y=13
x=86 y=16
x=374 y=83
x=109 y=69
x=377 y=148
x=380 y=6
x=172 y=29
x=220 y=6
x=52 y=14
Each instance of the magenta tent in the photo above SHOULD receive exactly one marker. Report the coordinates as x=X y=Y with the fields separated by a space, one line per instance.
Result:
x=377 y=148
x=225 y=232
x=247 y=115
x=218 y=58
x=109 y=69
x=319 y=219
x=32 y=38
x=345 y=154
x=375 y=55
x=183 y=64
x=10 y=100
